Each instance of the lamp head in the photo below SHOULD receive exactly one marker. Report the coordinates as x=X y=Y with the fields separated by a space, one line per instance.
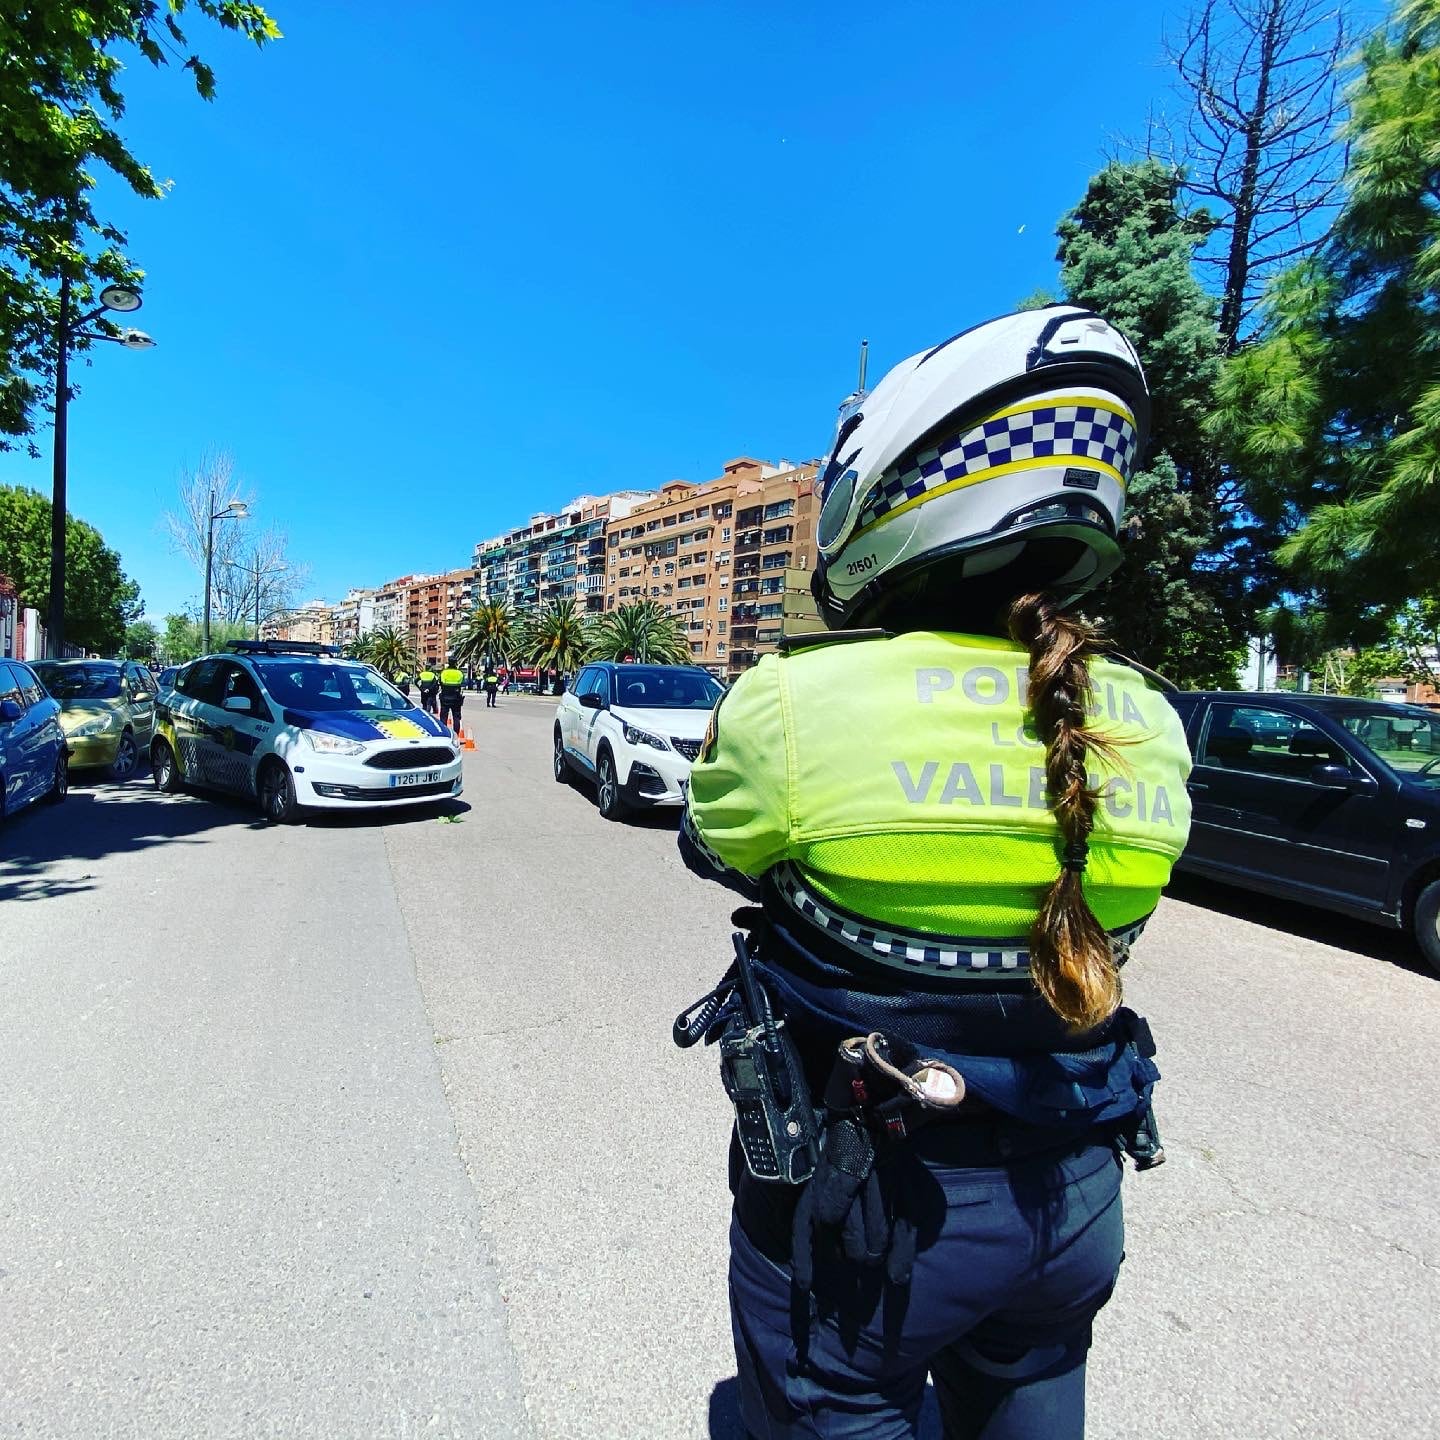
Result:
x=133 y=339
x=120 y=298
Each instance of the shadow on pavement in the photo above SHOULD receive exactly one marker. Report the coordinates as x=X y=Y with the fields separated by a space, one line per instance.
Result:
x=1309 y=923
x=98 y=820
x=370 y=819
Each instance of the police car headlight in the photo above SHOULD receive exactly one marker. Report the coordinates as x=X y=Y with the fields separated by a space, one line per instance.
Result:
x=332 y=744
x=98 y=726
x=635 y=736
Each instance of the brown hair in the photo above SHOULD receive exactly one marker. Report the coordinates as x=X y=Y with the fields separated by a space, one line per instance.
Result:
x=1071 y=960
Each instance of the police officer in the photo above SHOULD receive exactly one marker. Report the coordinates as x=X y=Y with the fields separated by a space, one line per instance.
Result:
x=402 y=683
x=452 y=696
x=956 y=812
x=492 y=684
x=429 y=688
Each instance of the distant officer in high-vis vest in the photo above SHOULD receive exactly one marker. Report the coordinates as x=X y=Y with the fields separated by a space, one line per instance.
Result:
x=452 y=696
x=956 y=814
x=429 y=688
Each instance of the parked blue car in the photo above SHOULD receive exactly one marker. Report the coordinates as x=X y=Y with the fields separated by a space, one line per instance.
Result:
x=34 y=759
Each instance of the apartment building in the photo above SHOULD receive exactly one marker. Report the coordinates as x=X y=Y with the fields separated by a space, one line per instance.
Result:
x=313 y=623
x=716 y=555
x=554 y=557
x=353 y=616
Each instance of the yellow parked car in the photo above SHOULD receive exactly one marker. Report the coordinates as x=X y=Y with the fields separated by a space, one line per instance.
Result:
x=107 y=710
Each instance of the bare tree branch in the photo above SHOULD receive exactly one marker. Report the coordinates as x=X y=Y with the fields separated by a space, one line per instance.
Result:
x=1261 y=78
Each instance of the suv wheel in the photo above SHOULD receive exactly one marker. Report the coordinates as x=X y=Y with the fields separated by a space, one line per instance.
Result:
x=126 y=761
x=164 y=770
x=1426 y=923
x=607 y=787
x=277 y=793
x=60 y=784
x=562 y=762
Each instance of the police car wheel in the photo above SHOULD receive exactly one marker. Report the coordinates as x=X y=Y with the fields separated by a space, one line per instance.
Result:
x=60 y=784
x=163 y=769
x=607 y=788
x=126 y=761
x=277 y=793
x=1427 y=923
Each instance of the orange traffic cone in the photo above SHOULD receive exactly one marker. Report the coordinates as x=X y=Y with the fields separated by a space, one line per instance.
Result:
x=468 y=740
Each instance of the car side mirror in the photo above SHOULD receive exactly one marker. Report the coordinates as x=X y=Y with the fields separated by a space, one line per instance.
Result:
x=10 y=711
x=1335 y=777
x=591 y=701
x=238 y=703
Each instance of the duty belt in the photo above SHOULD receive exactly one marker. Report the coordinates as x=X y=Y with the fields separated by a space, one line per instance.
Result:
x=951 y=957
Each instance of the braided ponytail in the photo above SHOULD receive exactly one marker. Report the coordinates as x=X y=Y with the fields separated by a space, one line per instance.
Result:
x=1070 y=957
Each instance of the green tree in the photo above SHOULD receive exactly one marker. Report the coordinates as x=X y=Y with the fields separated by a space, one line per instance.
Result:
x=183 y=637
x=100 y=599
x=392 y=652
x=1179 y=602
x=644 y=632
x=60 y=103
x=556 y=637
x=142 y=640
x=484 y=633
x=1335 y=413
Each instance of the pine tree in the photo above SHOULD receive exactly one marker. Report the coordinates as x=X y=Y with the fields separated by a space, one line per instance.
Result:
x=1179 y=602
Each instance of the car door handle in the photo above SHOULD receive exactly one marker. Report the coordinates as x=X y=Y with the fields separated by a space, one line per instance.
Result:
x=1193 y=785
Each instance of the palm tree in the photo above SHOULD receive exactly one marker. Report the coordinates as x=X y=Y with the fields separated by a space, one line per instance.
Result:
x=391 y=651
x=557 y=638
x=358 y=649
x=644 y=632
x=484 y=634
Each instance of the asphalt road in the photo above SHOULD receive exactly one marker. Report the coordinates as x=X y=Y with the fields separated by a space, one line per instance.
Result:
x=374 y=1128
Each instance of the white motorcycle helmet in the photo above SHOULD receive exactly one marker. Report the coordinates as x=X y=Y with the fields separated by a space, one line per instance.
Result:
x=992 y=465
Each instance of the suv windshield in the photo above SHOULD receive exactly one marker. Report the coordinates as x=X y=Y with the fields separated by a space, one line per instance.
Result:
x=308 y=685
x=665 y=687
x=1406 y=740
x=81 y=682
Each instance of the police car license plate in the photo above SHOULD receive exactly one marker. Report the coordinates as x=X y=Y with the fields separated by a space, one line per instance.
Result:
x=415 y=777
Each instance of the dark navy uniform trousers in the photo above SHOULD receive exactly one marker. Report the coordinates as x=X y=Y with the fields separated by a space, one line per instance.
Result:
x=1013 y=1265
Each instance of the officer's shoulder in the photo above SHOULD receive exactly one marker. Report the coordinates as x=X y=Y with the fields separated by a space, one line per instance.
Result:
x=799 y=644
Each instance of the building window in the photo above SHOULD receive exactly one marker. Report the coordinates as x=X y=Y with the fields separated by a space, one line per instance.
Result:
x=725 y=533
x=720 y=647
x=724 y=602
x=721 y=627
x=779 y=508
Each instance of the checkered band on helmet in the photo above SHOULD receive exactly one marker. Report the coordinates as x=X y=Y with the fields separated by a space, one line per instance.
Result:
x=1079 y=429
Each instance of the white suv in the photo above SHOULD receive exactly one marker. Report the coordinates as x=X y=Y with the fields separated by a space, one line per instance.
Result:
x=634 y=730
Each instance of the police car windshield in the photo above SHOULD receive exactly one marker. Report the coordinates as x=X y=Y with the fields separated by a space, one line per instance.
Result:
x=310 y=685
x=81 y=682
x=665 y=687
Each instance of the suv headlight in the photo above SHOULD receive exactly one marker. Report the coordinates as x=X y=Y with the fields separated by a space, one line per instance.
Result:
x=635 y=736
x=98 y=726
x=328 y=744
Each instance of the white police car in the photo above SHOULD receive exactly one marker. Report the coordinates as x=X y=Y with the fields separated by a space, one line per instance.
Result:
x=297 y=727
x=634 y=730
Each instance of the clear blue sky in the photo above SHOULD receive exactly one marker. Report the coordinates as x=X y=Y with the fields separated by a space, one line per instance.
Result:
x=428 y=268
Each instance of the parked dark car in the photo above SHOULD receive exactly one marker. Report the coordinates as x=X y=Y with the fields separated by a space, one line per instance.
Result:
x=33 y=754
x=1319 y=798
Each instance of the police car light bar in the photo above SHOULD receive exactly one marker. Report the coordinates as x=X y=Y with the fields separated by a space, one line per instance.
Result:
x=281 y=647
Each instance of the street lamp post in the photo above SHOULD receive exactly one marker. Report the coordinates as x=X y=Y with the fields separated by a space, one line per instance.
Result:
x=123 y=301
x=235 y=510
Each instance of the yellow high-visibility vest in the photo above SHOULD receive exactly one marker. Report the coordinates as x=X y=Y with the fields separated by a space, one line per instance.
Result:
x=899 y=777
